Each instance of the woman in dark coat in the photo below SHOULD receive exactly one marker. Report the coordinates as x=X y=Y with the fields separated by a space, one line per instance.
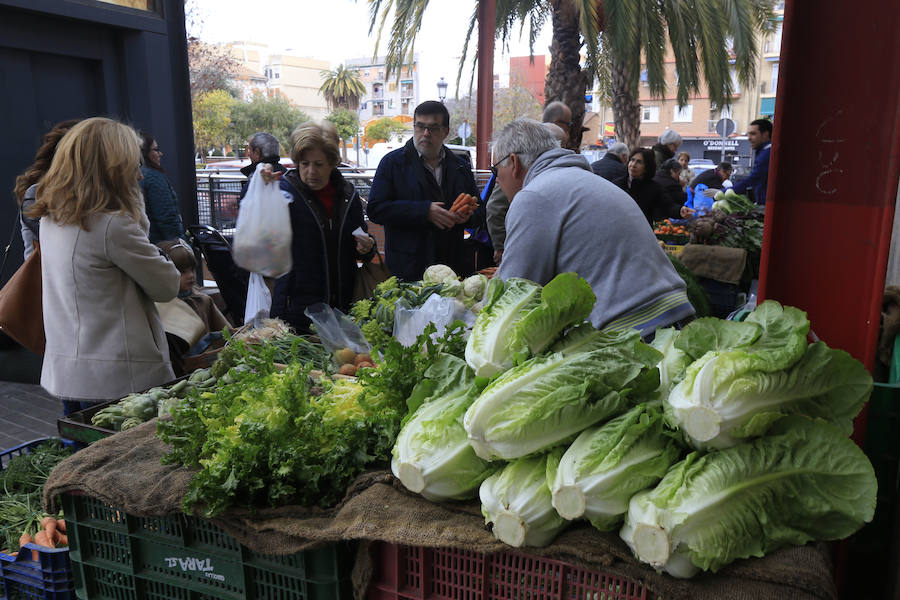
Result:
x=325 y=211
x=638 y=182
x=160 y=201
x=668 y=178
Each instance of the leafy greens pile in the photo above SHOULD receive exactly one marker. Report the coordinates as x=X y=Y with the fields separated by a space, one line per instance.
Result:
x=724 y=440
x=265 y=437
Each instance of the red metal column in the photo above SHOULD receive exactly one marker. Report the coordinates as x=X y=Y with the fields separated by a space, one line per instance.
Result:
x=487 y=17
x=834 y=170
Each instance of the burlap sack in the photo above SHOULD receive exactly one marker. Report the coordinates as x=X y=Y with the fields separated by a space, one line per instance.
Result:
x=124 y=471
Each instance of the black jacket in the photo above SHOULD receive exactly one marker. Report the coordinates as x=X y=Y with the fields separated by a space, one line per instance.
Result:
x=646 y=193
x=401 y=194
x=662 y=153
x=609 y=167
x=673 y=195
x=250 y=169
x=709 y=177
x=323 y=250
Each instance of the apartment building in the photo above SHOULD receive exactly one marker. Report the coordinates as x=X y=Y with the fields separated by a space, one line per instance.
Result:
x=386 y=97
x=297 y=78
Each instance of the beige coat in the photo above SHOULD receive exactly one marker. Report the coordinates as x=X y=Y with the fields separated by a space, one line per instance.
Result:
x=104 y=336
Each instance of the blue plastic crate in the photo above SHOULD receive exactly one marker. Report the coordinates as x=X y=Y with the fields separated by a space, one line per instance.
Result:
x=24 y=578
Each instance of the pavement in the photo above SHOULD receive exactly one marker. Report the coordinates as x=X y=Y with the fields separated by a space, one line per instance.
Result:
x=27 y=412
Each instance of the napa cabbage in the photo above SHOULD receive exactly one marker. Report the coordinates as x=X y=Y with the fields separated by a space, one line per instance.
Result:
x=606 y=465
x=432 y=455
x=803 y=481
x=517 y=501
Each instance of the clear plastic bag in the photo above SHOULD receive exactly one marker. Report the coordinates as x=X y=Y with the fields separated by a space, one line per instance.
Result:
x=335 y=329
x=262 y=235
x=409 y=323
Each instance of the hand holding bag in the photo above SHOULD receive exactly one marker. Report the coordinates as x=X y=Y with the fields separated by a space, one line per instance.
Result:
x=369 y=275
x=262 y=236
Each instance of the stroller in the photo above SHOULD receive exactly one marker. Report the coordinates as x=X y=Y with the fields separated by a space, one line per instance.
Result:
x=231 y=279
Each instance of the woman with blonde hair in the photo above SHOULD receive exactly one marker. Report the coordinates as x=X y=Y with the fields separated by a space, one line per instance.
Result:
x=325 y=211
x=100 y=273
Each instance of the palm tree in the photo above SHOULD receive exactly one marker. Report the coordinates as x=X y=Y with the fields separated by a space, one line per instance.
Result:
x=702 y=33
x=342 y=88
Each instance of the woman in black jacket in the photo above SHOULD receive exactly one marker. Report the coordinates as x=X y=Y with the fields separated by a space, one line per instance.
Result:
x=668 y=178
x=640 y=185
x=325 y=211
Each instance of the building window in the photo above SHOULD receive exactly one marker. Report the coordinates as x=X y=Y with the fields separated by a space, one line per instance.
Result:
x=378 y=108
x=404 y=106
x=644 y=78
x=367 y=72
x=277 y=75
x=392 y=86
x=683 y=115
x=650 y=114
x=378 y=90
x=406 y=89
x=774 y=77
x=390 y=103
x=380 y=74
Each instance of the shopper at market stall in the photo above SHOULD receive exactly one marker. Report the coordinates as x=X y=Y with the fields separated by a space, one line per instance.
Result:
x=100 y=273
x=687 y=173
x=498 y=203
x=160 y=201
x=668 y=178
x=760 y=136
x=26 y=183
x=713 y=178
x=261 y=148
x=641 y=186
x=563 y=218
x=412 y=193
x=669 y=141
x=325 y=212
x=612 y=166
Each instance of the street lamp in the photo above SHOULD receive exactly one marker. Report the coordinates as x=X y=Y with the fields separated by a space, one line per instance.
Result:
x=442 y=90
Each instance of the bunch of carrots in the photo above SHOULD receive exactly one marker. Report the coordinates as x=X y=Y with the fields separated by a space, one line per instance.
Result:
x=464 y=203
x=52 y=534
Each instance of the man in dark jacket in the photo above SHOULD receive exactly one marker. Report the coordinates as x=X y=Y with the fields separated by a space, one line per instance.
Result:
x=412 y=193
x=713 y=178
x=760 y=136
x=612 y=166
x=261 y=148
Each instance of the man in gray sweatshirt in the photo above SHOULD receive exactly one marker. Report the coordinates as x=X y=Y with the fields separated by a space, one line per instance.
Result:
x=564 y=218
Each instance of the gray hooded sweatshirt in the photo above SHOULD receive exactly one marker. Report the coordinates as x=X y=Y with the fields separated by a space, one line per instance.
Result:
x=566 y=218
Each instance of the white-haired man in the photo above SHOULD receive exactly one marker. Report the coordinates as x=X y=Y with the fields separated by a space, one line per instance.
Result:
x=612 y=166
x=562 y=218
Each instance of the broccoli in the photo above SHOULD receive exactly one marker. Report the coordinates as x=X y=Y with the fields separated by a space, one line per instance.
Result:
x=390 y=283
x=362 y=310
x=375 y=334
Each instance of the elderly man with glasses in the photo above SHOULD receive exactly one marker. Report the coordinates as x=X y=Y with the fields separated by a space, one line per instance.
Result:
x=564 y=218
x=412 y=193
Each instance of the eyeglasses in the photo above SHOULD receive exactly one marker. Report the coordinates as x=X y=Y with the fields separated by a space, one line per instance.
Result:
x=497 y=164
x=429 y=128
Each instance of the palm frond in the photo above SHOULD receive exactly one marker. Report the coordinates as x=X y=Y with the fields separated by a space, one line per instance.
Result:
x=712 y=28
x=681 y=20
x=652 y=29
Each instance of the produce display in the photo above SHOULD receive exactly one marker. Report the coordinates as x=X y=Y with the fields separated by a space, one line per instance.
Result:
x=375 y=316
x=22 y=520
x=269 y=437
x=724 y=440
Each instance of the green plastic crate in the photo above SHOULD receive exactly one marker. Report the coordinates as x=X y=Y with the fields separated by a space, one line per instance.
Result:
x=117 y=556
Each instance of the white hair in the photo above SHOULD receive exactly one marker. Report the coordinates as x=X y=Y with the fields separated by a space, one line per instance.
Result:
x=669 y=136
x=619 y=149
x=526 y=138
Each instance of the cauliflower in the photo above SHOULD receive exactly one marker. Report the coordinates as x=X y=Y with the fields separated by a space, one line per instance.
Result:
x=439 y=274
x=473 y=287
x=451 y=289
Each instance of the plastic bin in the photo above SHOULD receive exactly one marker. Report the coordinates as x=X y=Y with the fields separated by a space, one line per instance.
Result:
x=123 y=557
x=47 y=578
x=78 y=427
x=418 y=573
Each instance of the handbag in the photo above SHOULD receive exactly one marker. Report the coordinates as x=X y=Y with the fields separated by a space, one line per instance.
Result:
x=369 y=275
x=21 y=308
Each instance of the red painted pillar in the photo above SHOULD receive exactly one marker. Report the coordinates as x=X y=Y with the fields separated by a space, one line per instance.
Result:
x=487 y=17
x=834 y=169
x=833 y=175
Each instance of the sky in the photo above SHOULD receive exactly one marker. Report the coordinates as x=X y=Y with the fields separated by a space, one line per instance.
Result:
x=337 y=30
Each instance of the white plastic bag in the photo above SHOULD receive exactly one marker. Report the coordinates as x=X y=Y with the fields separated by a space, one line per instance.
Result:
x=259 y=299
x=262 y=236
x=409 y=323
